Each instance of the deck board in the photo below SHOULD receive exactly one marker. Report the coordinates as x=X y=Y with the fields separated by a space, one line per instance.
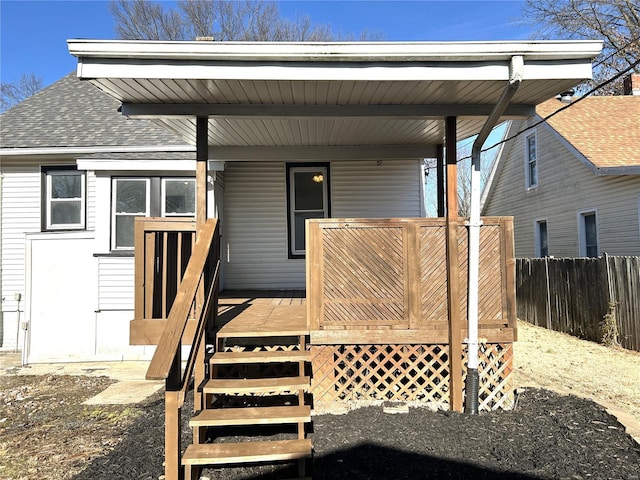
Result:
x=270 y=313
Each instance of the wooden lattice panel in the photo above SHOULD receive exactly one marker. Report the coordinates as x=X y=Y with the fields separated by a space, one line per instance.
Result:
x=393 y=273
x=496 y=389
x=413 y=373
x=433 y=275
x=363 y=276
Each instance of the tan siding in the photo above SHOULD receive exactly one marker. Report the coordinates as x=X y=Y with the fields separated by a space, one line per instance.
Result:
x=565 y=187
x=255 y=214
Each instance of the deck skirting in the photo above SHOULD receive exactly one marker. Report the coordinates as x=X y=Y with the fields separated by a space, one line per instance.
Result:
x=362 y=374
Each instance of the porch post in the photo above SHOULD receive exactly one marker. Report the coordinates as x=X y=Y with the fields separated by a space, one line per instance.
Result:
x=440 y=179
x=453 y=275
x=202 y=157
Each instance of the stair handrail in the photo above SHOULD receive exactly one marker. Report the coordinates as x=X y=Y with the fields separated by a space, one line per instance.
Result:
x=171 y=339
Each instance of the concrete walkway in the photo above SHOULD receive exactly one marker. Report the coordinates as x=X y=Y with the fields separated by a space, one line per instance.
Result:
x=130 y=387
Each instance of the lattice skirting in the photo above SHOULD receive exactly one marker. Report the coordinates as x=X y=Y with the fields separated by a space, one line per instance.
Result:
x=407 y=373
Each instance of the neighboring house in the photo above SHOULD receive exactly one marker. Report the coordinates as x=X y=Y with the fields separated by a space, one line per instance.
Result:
x=66 y=223
x=572 y=182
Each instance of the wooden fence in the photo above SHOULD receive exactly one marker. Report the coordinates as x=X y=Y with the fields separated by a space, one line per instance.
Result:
x=573 y=295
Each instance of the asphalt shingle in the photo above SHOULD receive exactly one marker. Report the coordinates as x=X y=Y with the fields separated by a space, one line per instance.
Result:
x=72 y=113
x=606 y=129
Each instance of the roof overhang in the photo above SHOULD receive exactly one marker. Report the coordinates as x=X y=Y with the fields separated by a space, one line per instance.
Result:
x=340 y=99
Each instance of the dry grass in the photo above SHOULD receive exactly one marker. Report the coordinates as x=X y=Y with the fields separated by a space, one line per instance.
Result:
x=553 y=360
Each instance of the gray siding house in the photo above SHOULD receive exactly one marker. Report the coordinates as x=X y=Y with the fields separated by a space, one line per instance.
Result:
x=75 y=172
x=572 y=182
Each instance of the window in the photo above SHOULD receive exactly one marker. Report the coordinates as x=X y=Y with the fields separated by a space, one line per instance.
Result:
x=178 y=197
x=542 y=243
x=307 y=197
x=147 y=197
x=64 y=199
x=531 y=160
x=588 y=234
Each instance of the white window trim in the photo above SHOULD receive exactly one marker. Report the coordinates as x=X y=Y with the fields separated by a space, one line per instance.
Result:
x=83 y=200
x=292 y=211
x=582 y=239
x=163 y=198
x=529 y=185
x=536 y=236
x=114 y=180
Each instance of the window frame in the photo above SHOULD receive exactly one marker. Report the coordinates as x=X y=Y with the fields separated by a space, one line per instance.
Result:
x=529 y=182
x=291 y=169
x=48 y=172
x=538 y=237
x=582 y=233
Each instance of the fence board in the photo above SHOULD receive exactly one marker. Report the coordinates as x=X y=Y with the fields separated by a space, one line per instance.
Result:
x=572 y=295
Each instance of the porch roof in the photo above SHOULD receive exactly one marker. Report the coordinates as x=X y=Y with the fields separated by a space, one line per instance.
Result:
x=275 y=100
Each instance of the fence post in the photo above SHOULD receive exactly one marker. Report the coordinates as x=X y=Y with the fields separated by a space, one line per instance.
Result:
x=546 y=276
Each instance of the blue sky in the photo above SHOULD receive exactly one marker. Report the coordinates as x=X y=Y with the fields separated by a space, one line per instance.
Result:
x=34 y=33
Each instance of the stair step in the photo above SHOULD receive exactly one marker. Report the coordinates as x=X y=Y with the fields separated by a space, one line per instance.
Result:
x=251 y=416
x=258 y=385
x=247 y=452
x=221 y=358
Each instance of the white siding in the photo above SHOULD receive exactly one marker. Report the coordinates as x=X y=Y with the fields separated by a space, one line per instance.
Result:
x=116 y=283
x=566 y=187
x=20 y=215
x=255 y=214
x=368 y=190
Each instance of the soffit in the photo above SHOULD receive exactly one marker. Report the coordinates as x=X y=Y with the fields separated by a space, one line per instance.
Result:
x=342 y=75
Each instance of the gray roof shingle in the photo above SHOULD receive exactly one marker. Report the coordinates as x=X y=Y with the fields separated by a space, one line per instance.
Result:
x=73 y=113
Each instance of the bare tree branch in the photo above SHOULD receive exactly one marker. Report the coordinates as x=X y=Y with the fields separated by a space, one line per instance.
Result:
x=13 y=93
x=223 y=20
x=616 y=22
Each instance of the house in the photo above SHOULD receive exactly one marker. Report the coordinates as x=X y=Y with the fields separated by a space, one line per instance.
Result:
x=572 y=182
x=307 y=168
x=66 y=242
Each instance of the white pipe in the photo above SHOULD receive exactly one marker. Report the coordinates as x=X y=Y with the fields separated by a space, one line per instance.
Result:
x=516 y=68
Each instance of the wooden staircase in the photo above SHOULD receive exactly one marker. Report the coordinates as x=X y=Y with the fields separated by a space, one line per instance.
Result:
x=257 y=382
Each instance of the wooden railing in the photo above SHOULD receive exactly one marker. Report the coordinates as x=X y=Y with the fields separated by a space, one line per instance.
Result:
x=196 y=297
x=385 y=281
x=163 y=248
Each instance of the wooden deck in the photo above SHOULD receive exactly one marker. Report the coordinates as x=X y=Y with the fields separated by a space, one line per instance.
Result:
x=262 y=313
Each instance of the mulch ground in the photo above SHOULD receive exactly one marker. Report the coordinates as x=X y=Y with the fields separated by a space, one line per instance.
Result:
x=547 y=436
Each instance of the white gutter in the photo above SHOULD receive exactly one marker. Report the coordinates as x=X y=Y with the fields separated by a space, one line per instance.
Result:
x=516 y=72
x=336 y=51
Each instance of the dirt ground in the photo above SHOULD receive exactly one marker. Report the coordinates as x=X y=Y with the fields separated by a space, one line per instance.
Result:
x=548 y=359
x=46 y=432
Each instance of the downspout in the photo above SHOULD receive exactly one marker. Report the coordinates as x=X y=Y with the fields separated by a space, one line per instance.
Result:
x=516 y=68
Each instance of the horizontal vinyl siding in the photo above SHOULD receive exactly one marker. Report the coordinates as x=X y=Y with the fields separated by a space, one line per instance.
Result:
x=115 y=283
x=364 y=189
x=255 y=228
x=255 y=214
x=565 y=187
x=20 y=215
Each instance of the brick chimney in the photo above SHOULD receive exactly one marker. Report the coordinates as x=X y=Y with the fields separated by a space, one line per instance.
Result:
x=632 y=84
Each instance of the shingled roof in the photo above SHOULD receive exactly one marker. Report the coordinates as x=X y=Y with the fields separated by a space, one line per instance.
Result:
x=605 y=130
x=73 y=113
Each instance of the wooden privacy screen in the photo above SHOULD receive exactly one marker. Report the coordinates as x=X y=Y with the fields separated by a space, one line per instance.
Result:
x=388 y=278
